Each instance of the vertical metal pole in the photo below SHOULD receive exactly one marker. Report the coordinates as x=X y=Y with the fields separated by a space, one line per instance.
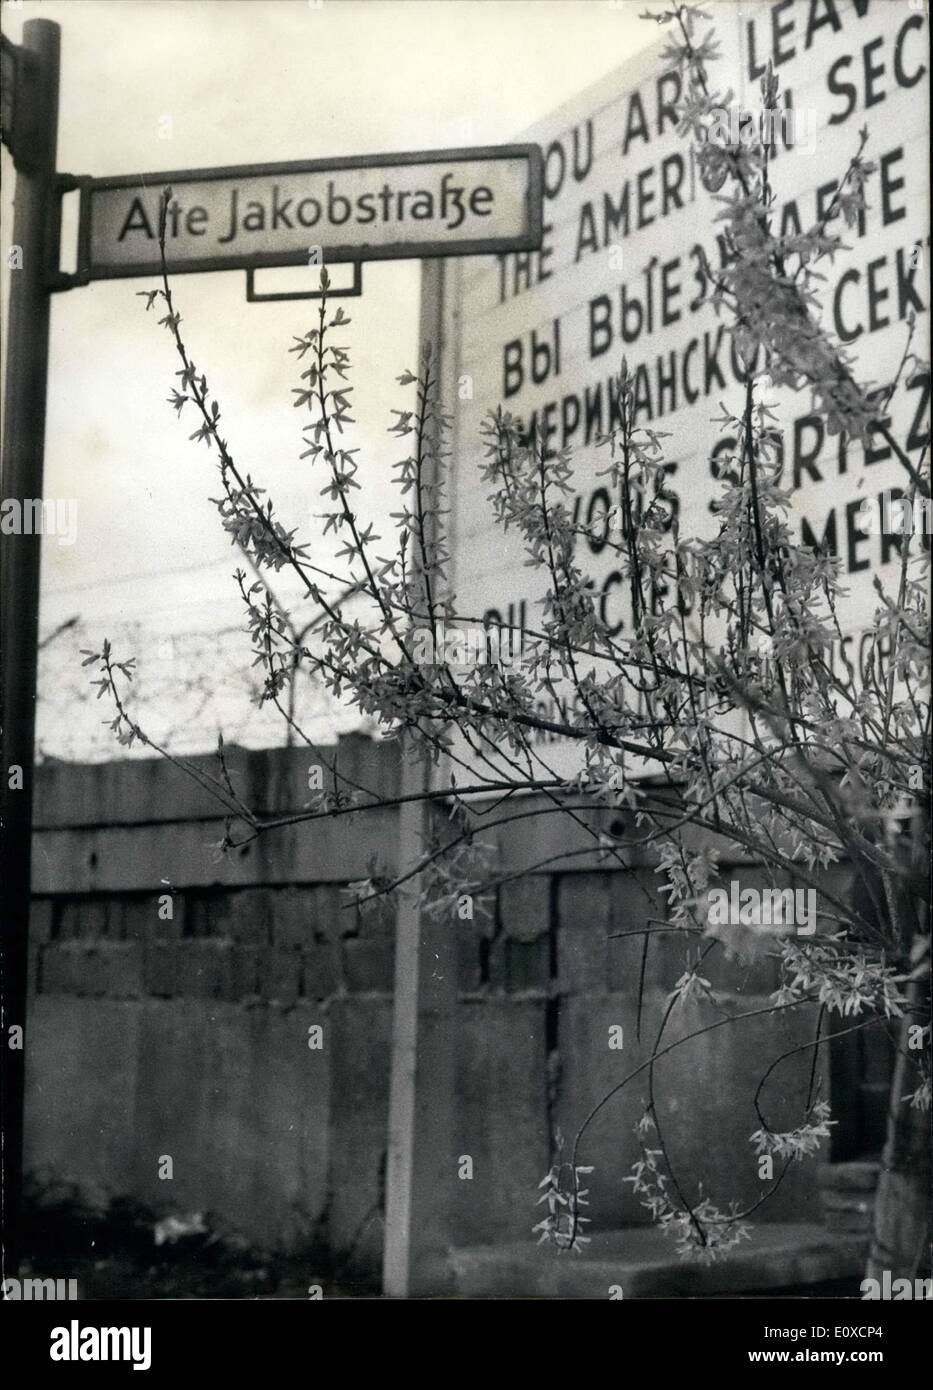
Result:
x=23 y=447
x=422 y=1158
x=400 y=1175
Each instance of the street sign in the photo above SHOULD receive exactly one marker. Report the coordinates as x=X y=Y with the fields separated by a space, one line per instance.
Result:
x=377 y=207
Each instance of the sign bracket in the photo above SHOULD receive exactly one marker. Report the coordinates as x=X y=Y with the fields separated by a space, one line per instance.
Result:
x=254 y=296
x=55 y=279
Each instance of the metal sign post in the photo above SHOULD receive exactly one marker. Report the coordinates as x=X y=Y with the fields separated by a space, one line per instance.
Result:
x=30 y=128
x=421 y=1170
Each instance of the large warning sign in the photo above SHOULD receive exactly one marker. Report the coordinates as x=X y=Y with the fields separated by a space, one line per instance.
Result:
x=627 y=222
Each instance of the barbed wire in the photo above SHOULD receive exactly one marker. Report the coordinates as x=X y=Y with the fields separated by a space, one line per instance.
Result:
x=187 y=688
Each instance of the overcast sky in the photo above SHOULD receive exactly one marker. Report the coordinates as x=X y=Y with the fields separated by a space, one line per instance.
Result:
x=245 y=81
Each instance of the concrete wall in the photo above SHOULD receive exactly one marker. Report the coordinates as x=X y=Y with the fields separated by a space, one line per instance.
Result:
x=188 y=1036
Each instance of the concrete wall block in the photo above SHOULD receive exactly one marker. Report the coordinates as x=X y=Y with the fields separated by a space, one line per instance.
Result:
x=748 y=962
x=83 y=919
x=634 y=898
x=161 y=968
x=323 y=852
x=280 y=777
x=357 y=1042
x=208 y=913
x=171 y=927
x=469 y=971
x=528 y=841
x=81 y=1092
x=242 y=915
x=527 y=964
x=57 y=969
x=241 y=972
x=348 y=917
x=201 y=968
x=524 y=907
x=377 y=920
x=513 y=966
x=582 y=934
x=321 y=970
x=146 y=918
x=663 y=963
x=856 y=1176
x=121 y=966
x=538 y=838
x=247 y=1127
x=127 y=858
x=496 y=965
x=280 y=974
x=368 y=966
x=357 y=758
x=748 y=971
x=501 y=1119
x=40 y=921
x=274 y=780
x=324 y=908
x=127 y=791
x=704 y=1091
x=108 y=968
x=73 y=967
x=292 y=923
x=370 y=763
